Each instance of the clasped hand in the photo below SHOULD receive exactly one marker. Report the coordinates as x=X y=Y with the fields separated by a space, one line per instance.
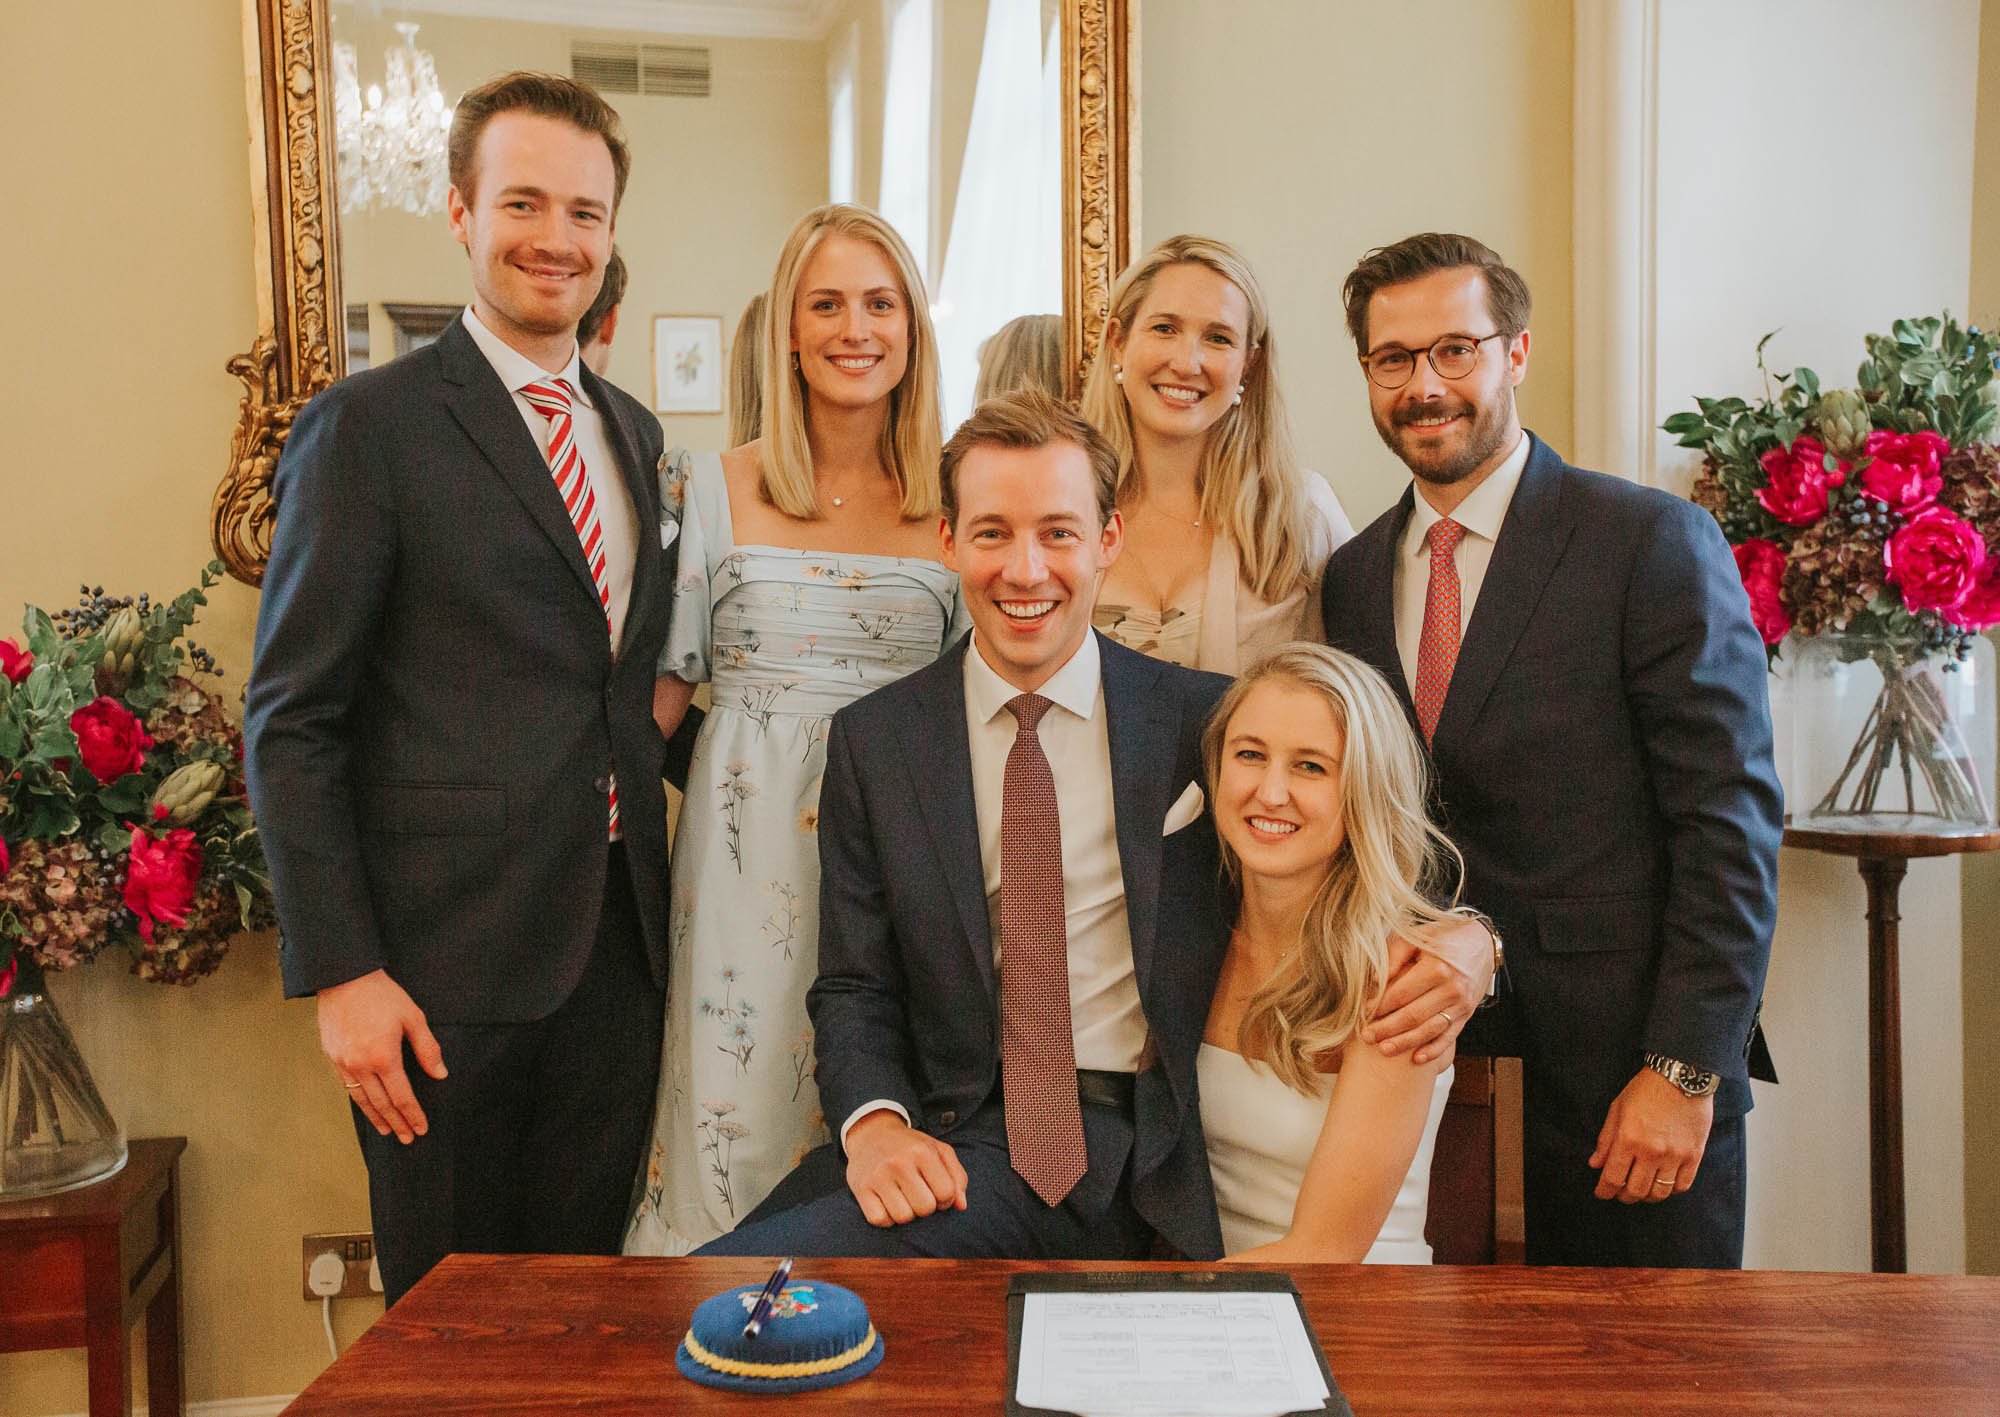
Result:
x=1430 y=996
x=898 y=1173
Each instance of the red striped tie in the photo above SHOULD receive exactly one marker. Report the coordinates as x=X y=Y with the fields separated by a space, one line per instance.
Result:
x=551 y=399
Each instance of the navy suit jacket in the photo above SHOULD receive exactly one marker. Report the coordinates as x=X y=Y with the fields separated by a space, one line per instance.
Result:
x=1603 y=761
x=434 y=711
x=906 y=1005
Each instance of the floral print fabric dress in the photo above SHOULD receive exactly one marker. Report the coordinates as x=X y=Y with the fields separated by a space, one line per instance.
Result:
x=784 y=638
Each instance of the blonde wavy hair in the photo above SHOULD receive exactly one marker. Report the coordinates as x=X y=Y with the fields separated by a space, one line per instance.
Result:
x=1251 y=486
x=1379 y=884
x=915 y=425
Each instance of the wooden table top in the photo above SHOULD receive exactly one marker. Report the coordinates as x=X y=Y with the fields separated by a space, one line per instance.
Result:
x=102 y=1202
x=518 y=1334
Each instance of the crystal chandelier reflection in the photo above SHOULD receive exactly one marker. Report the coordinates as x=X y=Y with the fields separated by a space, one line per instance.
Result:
x=390 y=144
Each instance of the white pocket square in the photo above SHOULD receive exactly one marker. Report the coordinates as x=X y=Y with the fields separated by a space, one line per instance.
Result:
x=668 y=531
x=1185 y=809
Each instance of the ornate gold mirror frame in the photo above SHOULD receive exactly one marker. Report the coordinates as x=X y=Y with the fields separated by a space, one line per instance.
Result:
x=300 y=347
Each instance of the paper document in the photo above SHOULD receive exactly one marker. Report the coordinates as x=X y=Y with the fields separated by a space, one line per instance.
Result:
x=1211 y=1354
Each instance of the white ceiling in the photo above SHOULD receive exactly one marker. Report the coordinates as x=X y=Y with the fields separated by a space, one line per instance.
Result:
x=751 y=19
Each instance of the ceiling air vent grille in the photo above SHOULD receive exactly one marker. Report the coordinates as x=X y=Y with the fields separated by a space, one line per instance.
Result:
x=678 y=71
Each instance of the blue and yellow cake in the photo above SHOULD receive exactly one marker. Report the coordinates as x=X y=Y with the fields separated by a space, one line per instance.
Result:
x=818 y=1335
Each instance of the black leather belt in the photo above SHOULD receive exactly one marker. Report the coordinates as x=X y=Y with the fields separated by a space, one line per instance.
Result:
x=1102 y=1089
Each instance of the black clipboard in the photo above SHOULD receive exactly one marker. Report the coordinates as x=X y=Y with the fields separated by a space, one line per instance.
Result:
x=1128 y=1281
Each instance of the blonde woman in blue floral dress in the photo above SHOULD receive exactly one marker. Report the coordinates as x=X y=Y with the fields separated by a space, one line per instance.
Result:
x=808 y=578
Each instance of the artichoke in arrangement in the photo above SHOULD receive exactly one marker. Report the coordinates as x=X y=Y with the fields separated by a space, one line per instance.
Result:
x=188 y=789
x=124 y=637
x=1842 y=418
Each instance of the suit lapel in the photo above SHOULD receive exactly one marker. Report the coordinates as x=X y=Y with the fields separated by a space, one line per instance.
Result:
x=1138 y=726
x=1377 y=632
x=938 y=749
x=485 y=410
x=642 y=485
x=1531 y=541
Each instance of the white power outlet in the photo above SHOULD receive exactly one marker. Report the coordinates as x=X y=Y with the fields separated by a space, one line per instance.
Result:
x=326 y=1275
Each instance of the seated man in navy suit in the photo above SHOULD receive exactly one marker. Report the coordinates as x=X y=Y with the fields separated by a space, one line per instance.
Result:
x=1018 y=894
x=1020 y=897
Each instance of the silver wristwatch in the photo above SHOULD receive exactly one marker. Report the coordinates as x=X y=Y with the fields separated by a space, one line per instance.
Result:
x=1685 y=1076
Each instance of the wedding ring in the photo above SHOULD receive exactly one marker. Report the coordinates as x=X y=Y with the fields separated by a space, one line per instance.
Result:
x=1658 y=1181
x=350 y=1086
x=1446 y=1017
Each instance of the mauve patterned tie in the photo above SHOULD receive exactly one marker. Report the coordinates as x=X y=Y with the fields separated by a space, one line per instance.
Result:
x=1037 y=1042
x=551 y=399
x=1437 y=651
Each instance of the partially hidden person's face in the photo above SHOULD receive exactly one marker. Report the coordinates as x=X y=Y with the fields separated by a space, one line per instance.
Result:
x=537 y=224
x=850 y=323
x=1446 y=430
x=1028 y=548
x=1186 y=353
x=1278 y=790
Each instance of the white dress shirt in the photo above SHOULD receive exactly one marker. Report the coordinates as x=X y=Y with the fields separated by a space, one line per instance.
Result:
x=1481 y=515
x=616 y=517
x=1107 y=1022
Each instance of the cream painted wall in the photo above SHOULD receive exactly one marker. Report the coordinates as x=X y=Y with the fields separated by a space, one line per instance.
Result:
x=1738 y=254
x=1307 y=131
x=716 y=183
x=1979 y=898
x=141 y=289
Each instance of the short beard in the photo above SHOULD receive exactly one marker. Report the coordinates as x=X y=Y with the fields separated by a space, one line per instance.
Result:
x=1488 y=432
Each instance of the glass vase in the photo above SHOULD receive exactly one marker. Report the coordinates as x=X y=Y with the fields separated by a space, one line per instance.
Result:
x=55 y=1131
x=1890 y=737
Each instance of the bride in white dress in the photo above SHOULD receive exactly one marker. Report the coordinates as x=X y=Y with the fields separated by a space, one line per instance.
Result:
x=1319 y=1145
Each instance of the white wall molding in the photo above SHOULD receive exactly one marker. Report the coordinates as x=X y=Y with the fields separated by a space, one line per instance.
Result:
x=737 y=19
x=224 y=1407
x=1616 y=124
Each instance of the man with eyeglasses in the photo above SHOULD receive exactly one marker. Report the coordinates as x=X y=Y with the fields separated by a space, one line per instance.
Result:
x=1578 y=654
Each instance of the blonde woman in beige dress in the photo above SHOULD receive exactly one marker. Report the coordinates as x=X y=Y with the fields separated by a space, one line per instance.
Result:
x=1225 y=535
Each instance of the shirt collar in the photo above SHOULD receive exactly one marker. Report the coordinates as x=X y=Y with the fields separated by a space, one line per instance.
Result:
x=515 y=369
x=1485 y=509
x=1074 y=687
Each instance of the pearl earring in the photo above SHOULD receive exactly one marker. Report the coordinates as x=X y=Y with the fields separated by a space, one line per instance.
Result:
x=1239 y=395
x=1117 y=373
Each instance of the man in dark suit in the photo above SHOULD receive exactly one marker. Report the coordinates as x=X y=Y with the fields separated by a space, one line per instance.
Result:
x=449 y=740
x=1031 y=793
x=1578 y=652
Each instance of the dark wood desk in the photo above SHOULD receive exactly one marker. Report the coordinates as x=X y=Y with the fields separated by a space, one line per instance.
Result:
x=79 y=1268
x=493 y=1335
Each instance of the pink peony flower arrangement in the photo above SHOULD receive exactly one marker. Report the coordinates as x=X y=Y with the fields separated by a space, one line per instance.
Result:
x=1874 y=509
x=123 y=819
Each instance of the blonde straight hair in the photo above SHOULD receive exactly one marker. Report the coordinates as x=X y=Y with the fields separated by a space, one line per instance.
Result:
x=1251 y=485
x=746 y=374
x=1379 y=884
x=915 y=425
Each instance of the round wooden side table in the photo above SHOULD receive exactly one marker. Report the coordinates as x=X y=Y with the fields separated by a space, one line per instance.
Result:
x=1883 y=858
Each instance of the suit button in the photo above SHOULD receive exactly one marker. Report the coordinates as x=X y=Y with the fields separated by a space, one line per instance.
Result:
x=945 y=1119
x=603 y=784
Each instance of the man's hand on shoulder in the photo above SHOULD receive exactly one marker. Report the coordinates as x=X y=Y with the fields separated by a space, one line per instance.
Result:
x=1652 y=1141
x=1430 y=995
x=362 y=1025
x=898 y=1173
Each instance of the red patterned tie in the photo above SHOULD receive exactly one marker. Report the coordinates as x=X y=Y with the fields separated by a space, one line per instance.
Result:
x=551 y=399
x=1037 y=1040
x=1437 y=651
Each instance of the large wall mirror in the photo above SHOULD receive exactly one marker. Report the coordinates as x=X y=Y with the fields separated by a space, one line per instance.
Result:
x=993 y=133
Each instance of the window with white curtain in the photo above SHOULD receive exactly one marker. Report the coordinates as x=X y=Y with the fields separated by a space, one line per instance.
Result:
x=843 y=63
x=1005 y=254
x=906 y=123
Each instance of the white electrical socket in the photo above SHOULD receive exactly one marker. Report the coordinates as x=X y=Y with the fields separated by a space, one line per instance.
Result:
x=327 y=1275
x=375 y=1274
